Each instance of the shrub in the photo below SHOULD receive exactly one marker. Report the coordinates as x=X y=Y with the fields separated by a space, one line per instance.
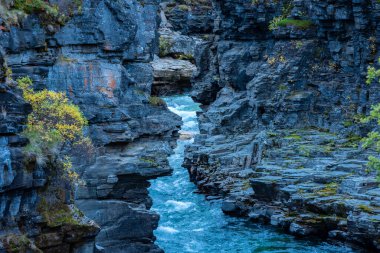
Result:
x=55 y=123
x=48 y=13
x=36 y=6
x=164 y=46
x=274 y=23
x=18 y=243
x=373 y=138
x=372 y=74
x=8 y=72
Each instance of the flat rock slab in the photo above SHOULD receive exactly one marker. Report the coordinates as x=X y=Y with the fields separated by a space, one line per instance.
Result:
x=171 y=76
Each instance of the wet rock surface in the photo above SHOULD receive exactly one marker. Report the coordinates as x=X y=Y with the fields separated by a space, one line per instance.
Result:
x=314 y=185
x=101 y=59
x=279 y=132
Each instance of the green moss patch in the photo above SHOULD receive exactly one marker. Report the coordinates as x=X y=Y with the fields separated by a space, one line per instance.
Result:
x=329 y=190
x=295 y=137
x=58 y=214
x=18 y=243
x=165 y=46
x=300 y=24
x=365 y=208
x=49 y=14
x=156 y=101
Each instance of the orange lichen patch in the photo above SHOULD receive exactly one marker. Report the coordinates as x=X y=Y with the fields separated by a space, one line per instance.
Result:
x=107 y=46
x=91 y=75
x=106 y=91
x=112 y=82
x=85 y=83
x=71 y=91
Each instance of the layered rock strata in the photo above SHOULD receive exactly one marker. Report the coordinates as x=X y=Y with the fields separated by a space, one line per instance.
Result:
x=282 y=85
x=36 y=205
x=174 y=66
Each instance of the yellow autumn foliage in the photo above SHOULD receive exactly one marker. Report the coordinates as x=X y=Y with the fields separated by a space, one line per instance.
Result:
x=52 y=111
x=54 y=124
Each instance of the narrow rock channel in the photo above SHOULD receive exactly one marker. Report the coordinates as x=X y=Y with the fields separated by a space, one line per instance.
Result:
x=189 y=223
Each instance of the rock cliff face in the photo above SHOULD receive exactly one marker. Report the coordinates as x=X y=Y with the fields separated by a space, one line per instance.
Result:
x=279 y=128
x=36 y=210
x=101 y=58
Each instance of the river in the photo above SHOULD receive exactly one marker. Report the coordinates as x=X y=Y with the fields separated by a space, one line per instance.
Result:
x=189 y=223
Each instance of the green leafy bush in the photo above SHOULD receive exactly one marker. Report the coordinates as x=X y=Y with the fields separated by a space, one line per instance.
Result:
x=274 y=23
x=36 y=6
x=373 y=138
x=372 y=74
x=164 y=46
x=48 y=13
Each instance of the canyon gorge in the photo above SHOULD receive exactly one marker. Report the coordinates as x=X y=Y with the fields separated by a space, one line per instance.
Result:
x=256 y=102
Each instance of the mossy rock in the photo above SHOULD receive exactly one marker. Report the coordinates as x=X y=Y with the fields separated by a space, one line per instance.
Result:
x=16 y=243
x=165 y=46
x=58 y=214
x=49 y=14
x=156 y=101
x=300 y=24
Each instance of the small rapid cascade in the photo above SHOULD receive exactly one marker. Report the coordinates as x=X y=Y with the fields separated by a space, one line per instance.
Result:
x=189 y=223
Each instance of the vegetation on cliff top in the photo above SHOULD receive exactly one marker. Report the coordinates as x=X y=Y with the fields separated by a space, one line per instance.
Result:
x=284 y=21
x=36 y=6
x=50 y=14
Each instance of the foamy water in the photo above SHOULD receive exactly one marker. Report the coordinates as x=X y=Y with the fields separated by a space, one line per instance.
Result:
x=169 y=230
x=178 y=205
x=189 y=223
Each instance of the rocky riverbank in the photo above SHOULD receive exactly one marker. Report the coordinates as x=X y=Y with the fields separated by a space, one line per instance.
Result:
x=101 y=58
x=279 y=132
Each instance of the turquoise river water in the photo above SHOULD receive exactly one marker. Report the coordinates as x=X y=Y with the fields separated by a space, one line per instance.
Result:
x=189 y=223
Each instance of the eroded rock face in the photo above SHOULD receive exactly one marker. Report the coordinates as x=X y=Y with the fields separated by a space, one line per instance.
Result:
x=172 y=76
x=173 y=67
x=26 y=224
x=278 y=124
x=189 y=17
x=101 y=59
